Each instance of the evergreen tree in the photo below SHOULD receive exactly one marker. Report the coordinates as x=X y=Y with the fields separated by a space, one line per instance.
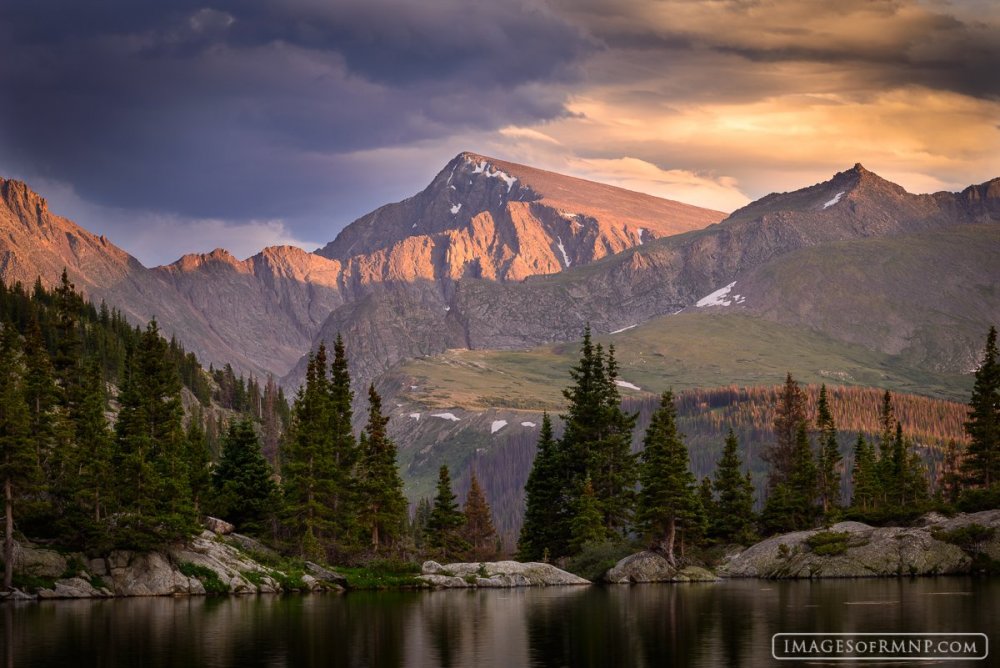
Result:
x=588 y=526
x=792 y=505
x=244 y=491
x=381 y=501
x=828 y=470
x=668 y=500
x=789 y=417
x=308 y=468
x=199 y=458
x=864 y=476
x=446 y=521
x=910 y=488
x=982 y=461
x=732 y=516
x=90 y=471
x=51 y=432
x=19 y=469
x=421 y=522
x=344 y=449
x=950 y=479
x=611 y=466
x=154 y=489
x=543 y=492
x=479 y=531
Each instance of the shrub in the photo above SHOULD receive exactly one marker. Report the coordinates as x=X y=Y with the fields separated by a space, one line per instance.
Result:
x=594 y=560
x=207 y=577
x=971 y=537
x=828 y=543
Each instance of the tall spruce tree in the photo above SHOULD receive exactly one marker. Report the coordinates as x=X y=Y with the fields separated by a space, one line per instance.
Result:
x=244 y=490
x=446 y=521
x=982 y=460
x=732 y=516
x=668 y=500
x=864 y=476
x=587 y=525
x=344 y=448
x=154 y=489
x=950 y=479
x=544 y=503
x=611 y=466
x=789 y=416
x=381 y=503
x=308 y=467
x=828 y=466
x=90 y=468
x=199 y=458
x=479 y=531
x=19 y=469
x=792 y=504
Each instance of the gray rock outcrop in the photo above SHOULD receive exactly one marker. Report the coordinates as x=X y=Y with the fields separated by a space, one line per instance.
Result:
x=861 y=550
x=651 y=566
x=497 y=574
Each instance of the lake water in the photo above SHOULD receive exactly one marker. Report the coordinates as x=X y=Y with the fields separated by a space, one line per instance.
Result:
x=724 y=624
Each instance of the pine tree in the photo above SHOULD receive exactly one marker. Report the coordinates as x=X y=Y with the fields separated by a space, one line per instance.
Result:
x=446 y=521
x=790 y=415
x=864 y=476
x=421 y=521
x=243 y=489
x=732 y=516
x=19 y=469
x=154 y=488
x=544 y=505
x=344 y=448
x=982 y=461
x=91 y=466
x=479 y=531
x=950 y=479
x=611 y=466
x=588 y=526
x=793 y=506
x=308 y=468
x=885 y=468
x=668 y=500
x=380 y=489
x=829 y=455
x=199 y=458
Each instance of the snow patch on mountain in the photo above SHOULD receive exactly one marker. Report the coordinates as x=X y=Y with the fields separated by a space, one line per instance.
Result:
x=446 y=416
x=562 y=249
x=624 y=329
x=833 y=200
x=627 y=385
x=497 y=426
x=528 y=424
x=720 y=297
x=456 y=208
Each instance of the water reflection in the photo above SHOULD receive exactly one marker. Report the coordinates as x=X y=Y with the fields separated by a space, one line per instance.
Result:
x=727 y=624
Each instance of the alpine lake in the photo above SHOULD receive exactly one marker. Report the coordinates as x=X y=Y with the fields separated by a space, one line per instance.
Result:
x=729 y=623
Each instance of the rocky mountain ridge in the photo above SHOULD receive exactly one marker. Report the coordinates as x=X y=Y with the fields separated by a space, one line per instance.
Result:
x=658 y=278
x=479 y=217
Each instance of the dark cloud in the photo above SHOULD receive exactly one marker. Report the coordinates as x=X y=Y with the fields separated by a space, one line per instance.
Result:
x=228 y=109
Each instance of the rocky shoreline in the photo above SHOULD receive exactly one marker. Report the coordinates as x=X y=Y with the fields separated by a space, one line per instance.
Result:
x=218 y=561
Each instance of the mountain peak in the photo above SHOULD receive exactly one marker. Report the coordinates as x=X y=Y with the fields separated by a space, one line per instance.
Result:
x=21 y=199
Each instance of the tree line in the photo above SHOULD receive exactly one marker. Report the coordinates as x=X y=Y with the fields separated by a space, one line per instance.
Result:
x=97 y=451
x=587 y=489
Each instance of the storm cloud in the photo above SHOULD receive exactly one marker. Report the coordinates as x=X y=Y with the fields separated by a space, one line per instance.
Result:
x=308 y=113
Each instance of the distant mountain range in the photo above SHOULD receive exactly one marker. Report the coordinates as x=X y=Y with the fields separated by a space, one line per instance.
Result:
x=467 y=298
x=479 y=218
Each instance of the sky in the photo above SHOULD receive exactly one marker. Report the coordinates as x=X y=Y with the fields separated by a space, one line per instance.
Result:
x=175 y=126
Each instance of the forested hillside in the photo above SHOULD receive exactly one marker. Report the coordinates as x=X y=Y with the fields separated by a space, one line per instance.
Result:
x=703 y=416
